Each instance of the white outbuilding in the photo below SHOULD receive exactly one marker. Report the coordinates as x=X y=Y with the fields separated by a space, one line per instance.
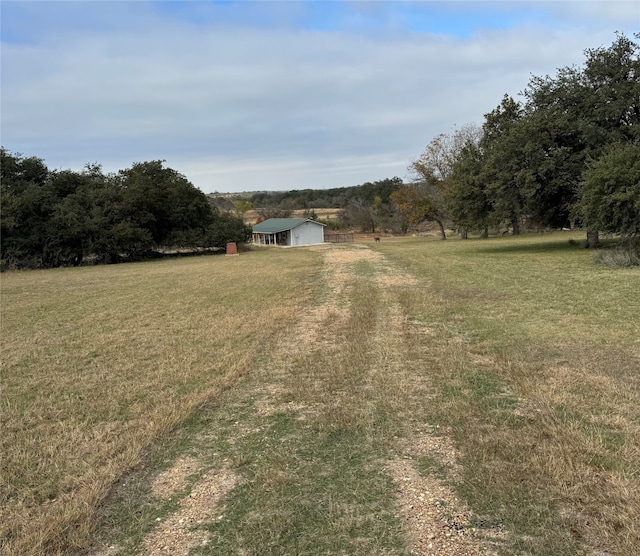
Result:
x=288 y=232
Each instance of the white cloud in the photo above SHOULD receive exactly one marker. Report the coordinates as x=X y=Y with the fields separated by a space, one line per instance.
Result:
x=239 y=108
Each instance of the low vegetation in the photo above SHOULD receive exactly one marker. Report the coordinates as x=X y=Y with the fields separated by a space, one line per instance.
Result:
x=536 y=360
x=622 y=254
x=101 y=362
x=299 y=376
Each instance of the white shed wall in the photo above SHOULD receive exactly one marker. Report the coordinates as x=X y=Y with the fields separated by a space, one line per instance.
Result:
x=307 y=234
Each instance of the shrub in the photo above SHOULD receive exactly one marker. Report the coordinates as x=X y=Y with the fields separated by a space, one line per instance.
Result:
x=622 y=256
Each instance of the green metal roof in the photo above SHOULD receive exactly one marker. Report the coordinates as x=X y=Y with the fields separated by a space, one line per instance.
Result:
x=275 y=225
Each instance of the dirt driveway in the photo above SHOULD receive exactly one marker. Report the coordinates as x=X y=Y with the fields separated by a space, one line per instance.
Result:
x=434 y=520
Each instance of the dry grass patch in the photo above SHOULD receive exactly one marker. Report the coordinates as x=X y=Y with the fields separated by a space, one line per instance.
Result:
x=101 y=362
x=329 y=402
x=357 y=382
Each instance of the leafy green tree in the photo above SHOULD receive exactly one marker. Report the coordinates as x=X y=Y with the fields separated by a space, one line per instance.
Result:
x=377 y=206
x=28 y=208
x=381 y=188
x=571 y=119
x=163 y=202
x=113 y=236
x=62 y=217
x=555 y=146
x=18 y=172
x=612 y=82
x=242 y=206
x=505 y=169
x=468 y=203
x=70 y=224
x=7 y=210
x=226 y=228
x=610 y=194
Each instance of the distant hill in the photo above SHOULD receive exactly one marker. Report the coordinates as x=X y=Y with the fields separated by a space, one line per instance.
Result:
x=252 y=217
x=306 y=199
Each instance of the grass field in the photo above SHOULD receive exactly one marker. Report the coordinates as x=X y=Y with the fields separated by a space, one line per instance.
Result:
x=290 y=386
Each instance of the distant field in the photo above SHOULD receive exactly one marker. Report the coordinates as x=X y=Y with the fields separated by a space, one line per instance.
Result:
x=499 y=378
x=251 y=216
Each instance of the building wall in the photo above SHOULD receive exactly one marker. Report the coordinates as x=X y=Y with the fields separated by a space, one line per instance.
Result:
x=307 y=234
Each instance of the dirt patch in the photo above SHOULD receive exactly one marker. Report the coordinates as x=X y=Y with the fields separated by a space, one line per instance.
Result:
x=175 y=479
x=179 y=532
x=436 y=523
x=436 y=520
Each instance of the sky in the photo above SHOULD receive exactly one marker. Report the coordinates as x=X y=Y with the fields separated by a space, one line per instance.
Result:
x=263 y=96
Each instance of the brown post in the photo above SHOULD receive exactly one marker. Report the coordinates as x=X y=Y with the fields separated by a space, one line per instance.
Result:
x=232 y=249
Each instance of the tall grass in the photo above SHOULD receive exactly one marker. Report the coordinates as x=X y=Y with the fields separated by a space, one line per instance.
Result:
x=624 y=255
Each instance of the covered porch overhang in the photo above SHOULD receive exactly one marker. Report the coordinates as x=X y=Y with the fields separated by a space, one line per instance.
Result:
x=275 y=238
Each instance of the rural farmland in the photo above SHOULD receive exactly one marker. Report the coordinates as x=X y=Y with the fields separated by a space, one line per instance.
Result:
x=412 y=396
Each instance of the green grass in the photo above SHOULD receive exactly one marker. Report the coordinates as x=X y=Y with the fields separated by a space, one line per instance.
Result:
x=538 y=365
x=301 y=376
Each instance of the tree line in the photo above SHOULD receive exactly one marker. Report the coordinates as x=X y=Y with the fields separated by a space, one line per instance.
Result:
x=54 y=218
x=365 y=207
x=336 y=197
x=567 y=156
